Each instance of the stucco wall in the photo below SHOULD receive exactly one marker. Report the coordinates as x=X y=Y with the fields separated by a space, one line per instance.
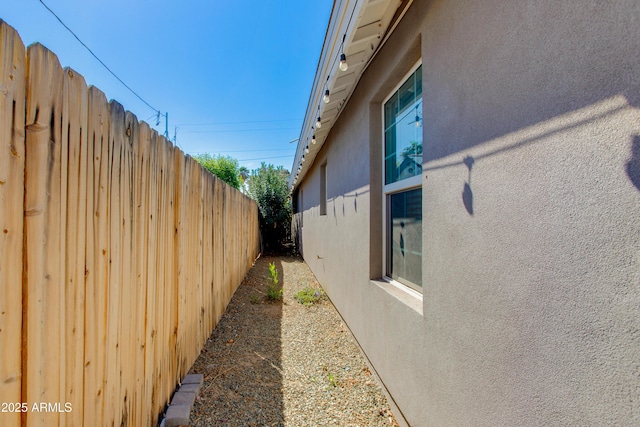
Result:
x=531 y=207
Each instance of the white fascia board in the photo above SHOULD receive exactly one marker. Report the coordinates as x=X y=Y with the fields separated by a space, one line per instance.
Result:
x=342 y=24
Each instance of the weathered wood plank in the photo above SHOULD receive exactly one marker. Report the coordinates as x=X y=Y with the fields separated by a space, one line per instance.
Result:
x=113 y=376
x=74 y=135
x=97 y=246
x=142 y=229
x=207 y=254
x=127 y=329
x=12 y=163
x=154 y=261
x=44 y=231
x=218 y=254
x=182 y=245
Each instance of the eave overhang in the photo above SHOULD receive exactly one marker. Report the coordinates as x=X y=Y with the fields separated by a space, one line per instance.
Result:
x=356 y=28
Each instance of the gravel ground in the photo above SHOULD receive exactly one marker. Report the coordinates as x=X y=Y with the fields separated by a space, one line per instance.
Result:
x=283 y=363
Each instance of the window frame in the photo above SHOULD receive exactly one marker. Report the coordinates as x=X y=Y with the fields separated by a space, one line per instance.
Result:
x=323 y=189
x=404 y=185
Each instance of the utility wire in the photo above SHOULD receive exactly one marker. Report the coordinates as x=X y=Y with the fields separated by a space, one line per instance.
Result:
x=251 y=151
x=96 y=57
x=236 y=130
x=236 y=123
x=265 y=158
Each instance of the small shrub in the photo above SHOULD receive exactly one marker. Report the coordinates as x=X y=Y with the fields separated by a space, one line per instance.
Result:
x=309 y=296
x=274 y=292
x=273 y=273
x=255 y=299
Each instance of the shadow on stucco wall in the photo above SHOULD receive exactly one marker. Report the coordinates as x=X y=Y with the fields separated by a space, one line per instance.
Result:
x=467 y=193
x=633 y=166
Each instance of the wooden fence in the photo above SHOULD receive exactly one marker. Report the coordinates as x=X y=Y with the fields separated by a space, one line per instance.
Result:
x=118 y=253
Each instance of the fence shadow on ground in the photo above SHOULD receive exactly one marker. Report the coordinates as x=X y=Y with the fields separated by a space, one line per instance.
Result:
x=242 y=360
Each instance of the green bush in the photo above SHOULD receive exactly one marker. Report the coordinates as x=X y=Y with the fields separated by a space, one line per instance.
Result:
x=268 y=187
x=224 y=167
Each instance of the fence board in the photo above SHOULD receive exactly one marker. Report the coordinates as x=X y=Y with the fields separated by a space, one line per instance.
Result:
x=97 y=247
x=12 y=154
x=151 y=347
x=143 y=230
x=43 y=234
x=74 y=127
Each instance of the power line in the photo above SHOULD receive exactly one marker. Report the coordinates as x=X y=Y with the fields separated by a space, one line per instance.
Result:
x=99 y=60
x=236 y=130
x=265 y=158
x=237 y=123
x=251 y=151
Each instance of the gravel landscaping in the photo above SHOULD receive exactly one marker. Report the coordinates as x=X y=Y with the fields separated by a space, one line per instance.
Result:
x=282 y=363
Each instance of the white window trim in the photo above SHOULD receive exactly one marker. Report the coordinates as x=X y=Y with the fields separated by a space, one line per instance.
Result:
x=396 y=187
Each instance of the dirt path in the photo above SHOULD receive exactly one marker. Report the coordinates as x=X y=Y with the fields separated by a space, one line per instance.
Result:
x=283 y=363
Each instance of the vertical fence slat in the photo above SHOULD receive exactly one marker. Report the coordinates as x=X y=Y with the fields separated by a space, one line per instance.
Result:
x=207 y=255
x=12 y=163
x=97 y=247
x=113 y=402
x=44 y=233
x=153 y=263
x=218 y=260
x=143 y=230
x=128 y=299
x=74 y=135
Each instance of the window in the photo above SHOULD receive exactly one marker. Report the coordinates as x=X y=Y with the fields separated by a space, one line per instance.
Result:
x=402 y=116
x=323 y=189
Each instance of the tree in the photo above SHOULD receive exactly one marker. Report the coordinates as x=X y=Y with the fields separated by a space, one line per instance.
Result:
x=268 y=187
x=224 y=167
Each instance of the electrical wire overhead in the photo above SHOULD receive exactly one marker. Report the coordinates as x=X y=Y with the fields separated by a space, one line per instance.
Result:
x=105 y=65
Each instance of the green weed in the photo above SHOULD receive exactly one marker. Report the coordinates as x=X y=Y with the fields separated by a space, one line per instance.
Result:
x=309 y=296
x=332 y=380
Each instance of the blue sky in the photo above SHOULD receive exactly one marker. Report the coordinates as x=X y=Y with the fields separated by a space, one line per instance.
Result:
x=234 y=75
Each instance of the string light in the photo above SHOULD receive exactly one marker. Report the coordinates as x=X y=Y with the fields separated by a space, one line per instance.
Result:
x=318 y=123
x=306 y=150
x=343 y=62
x=313 y=139
x=326 y=98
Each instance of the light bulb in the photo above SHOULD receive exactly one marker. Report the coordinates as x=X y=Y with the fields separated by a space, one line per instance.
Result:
x=318 y=123
x=343 y=62
x=313 y=139
x=302 y=159
x=326 y=98
x=306 y=150
x=417 y=121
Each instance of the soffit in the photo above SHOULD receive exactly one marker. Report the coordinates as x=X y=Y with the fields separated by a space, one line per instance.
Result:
x=357 y=28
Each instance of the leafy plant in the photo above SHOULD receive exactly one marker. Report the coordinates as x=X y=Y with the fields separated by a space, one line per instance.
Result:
x=273 y=273
x=255 y=299
x=309 y=296
x=274 y=292
x=268 y=187
x=224 y=167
